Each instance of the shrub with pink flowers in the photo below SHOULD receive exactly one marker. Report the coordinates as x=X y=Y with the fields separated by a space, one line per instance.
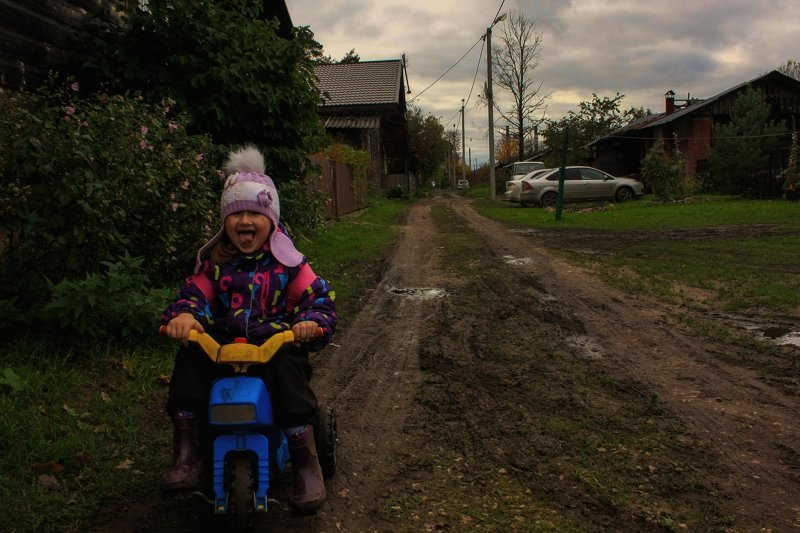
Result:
x=93 y=178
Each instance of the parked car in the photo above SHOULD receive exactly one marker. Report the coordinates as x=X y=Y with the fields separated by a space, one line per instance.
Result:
x=580 y=183
x=523 y=168
x=462 y=184
x=514 y=185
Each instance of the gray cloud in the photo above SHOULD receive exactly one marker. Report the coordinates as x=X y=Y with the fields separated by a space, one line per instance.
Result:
x=637 y=48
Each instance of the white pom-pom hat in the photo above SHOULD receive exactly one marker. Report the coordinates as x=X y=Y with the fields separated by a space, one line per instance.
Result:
x=248 y=188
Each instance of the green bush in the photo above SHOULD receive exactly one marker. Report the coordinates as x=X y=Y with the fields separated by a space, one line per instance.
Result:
x=666 y=176
x=91 y=178
x=116 y=303
x=301 y=210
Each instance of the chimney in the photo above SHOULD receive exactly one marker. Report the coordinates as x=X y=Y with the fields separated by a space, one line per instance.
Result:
x=669 y=100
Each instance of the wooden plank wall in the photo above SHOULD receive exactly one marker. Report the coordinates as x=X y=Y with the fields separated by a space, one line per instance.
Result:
x=34 y=34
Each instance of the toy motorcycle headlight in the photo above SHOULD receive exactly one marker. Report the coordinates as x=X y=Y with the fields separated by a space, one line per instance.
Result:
x=239 y=402
x=233 y=413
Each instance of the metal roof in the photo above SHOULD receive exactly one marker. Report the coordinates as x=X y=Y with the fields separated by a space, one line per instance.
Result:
x=362 y=83
x=660 y=119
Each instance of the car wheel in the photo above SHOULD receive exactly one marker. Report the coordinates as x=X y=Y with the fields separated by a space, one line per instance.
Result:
x=623 y=194
x=548 y=199
x=525 y=203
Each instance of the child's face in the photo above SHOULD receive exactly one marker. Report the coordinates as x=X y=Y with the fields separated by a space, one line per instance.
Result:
x=248 y=231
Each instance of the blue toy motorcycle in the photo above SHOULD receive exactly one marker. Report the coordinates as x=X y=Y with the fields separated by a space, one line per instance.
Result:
x=248 y=450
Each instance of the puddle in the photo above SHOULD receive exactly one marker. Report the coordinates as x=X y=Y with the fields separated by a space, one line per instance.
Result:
x=511 y=260
x=782 y=336
x=419 y=293
x=588 y=347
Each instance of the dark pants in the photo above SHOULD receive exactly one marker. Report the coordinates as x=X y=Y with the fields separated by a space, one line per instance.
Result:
x=287 y=378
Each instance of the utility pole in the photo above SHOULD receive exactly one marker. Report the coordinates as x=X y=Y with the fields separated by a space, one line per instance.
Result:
x=490 y=101
x=463 y=151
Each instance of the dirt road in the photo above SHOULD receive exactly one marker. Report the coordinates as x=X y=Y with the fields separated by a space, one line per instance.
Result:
x=487 y=385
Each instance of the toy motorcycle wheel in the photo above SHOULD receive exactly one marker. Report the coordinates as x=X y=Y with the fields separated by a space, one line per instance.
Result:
x=325 y=440
x=241 y=490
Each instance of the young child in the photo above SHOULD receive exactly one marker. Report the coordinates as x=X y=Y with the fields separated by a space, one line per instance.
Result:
x=251 y=282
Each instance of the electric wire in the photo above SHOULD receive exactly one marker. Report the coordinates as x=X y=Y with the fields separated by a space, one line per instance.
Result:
x=445 y=72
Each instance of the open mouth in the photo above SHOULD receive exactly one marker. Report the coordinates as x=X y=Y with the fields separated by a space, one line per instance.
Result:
x=246 y=236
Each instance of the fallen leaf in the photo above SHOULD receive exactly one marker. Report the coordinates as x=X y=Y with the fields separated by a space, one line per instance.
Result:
x=49 y=481
x=50 y=466
x=104 y=397
x=81 y=457
x=164 y=379
x=124 y=465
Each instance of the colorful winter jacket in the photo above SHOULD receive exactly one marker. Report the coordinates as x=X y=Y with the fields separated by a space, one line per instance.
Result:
x=255 y=296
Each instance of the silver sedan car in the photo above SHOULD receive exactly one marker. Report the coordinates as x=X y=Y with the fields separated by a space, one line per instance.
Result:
x=514 y=186
x=580 y=183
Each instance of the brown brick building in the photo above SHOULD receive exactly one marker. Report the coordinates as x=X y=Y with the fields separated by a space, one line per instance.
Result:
x=692 y=121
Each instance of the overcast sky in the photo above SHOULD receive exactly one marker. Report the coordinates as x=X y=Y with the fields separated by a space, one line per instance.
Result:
x=639 y=48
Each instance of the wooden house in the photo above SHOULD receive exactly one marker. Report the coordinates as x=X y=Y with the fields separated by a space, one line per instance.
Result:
x=364 y=106
x=692 y=121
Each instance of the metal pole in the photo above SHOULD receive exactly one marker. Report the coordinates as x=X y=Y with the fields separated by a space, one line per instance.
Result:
x=489 y=100
x=463 y=150
x=561 y=175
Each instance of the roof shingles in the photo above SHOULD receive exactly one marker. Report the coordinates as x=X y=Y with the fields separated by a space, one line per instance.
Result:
x=363 y=83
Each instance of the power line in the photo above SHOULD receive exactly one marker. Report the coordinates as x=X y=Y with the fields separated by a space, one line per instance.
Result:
x=445 y=72
x=477 y=68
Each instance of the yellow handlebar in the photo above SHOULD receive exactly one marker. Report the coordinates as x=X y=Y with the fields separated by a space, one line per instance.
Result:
x=240 y=354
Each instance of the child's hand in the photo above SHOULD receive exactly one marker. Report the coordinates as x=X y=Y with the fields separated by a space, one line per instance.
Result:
x=179 y=327
x=305 y=332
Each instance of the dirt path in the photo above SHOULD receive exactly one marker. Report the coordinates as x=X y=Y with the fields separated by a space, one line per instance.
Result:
x=755 y=428
x=373 y=375
x=487 y=385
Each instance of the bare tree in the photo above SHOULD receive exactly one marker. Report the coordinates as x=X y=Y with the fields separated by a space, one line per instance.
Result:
x=514 y=60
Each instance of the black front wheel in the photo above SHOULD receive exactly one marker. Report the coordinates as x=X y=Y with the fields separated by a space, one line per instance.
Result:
x=241 y=490
x=325 y=440
x=624 y=194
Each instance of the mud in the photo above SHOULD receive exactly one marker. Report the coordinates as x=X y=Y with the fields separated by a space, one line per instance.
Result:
x=461 y=385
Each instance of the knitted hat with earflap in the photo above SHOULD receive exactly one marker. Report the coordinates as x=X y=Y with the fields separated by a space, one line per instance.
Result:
x=248 y=188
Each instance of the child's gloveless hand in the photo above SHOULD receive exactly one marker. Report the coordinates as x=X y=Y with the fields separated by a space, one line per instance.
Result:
x=179 y=327
x=305 y=332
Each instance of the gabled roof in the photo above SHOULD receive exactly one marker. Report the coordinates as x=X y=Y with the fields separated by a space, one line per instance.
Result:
x=660 y=119
x=362 y=83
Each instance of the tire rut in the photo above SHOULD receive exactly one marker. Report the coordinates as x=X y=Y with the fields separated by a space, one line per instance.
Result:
x=753 y=426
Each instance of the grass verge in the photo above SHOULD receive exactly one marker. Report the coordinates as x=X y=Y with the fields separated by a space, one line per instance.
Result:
x=85 y=429
x=736 y=254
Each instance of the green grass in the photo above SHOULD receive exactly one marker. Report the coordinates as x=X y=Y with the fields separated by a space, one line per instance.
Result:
x=66 y=428
x=641 y=214
x=96 y=415
x=735 y=269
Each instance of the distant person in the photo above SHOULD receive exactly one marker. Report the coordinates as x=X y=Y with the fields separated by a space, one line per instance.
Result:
x=250 y=282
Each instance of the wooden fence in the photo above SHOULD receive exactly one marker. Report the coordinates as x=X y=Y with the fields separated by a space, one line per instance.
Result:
x=344 y=192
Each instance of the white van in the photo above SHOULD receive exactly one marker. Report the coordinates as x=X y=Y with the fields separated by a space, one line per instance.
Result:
x=521 y=168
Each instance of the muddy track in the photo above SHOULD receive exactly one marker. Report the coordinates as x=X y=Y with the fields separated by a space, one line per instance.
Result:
x=444 y=417
x=752 y=425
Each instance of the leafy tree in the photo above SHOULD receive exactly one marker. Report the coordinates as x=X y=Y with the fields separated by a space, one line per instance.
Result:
x=319 y=58
x=791 y=68
x=515 y=57
x=223 y=64
x=741 y=148
x=428 y=145
x=594 y=119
